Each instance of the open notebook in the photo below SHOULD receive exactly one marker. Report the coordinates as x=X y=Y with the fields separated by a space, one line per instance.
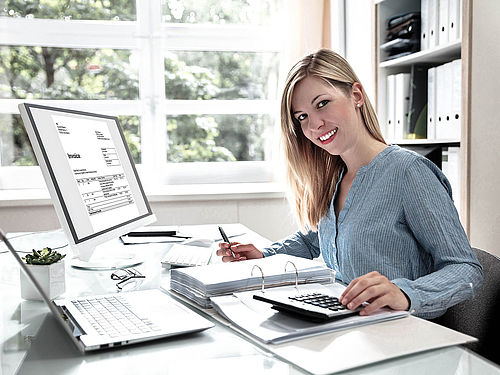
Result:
x=199 y=284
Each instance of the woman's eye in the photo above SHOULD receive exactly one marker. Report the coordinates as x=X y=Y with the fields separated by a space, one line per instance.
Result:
x=322 y=103
x=301 y=117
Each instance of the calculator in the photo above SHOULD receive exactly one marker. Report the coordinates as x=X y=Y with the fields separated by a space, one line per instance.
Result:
x=311 y=306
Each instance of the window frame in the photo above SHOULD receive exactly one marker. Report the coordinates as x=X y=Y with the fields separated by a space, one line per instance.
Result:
x=153 y=39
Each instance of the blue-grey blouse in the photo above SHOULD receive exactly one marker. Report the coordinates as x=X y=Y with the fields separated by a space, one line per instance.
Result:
x=398 y=219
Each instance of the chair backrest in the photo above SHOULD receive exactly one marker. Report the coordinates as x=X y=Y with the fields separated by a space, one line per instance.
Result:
x=480 y=317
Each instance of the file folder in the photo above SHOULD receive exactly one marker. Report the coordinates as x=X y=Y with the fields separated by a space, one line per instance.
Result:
x=391 y=87
x=444 y=102
x=402 y=98
x=424 y=25
x=443 y=22
x=455 y=20
x=433 y=23
x=456 y=99
x=431 y=103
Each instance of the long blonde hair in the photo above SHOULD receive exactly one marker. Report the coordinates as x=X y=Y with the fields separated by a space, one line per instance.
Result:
x=311 y=171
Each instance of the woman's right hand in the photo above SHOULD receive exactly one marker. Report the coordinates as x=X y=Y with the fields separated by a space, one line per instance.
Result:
x=241 y=252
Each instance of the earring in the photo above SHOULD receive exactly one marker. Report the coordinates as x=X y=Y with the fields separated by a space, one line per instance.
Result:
x=358 y=105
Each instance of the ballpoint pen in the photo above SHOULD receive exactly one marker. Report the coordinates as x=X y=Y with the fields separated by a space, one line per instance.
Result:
x=226 y=239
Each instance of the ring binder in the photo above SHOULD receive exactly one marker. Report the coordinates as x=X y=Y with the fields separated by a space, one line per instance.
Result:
x=262 y=273
x=202 y=283
x=296 y=274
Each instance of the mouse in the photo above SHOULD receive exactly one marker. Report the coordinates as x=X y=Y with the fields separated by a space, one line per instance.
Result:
x=196 y=241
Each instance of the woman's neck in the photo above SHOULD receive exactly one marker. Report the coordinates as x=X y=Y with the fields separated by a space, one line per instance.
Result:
x=362 y=155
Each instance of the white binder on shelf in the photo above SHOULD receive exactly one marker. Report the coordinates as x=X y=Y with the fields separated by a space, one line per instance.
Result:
x=424 y=25
x=455 y=20
x=391 y=87
x=443 y=22
x=431 y=103
x=401 y=103
x=432 y=22
x=443 y=101
x=456 y=99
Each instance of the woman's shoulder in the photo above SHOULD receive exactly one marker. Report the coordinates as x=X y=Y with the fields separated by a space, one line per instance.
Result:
x=415 y=169
x=403 y=159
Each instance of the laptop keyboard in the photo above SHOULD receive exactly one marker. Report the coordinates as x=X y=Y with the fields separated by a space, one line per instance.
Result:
x=113 y=316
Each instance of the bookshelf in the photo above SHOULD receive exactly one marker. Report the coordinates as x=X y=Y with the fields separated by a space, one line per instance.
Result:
x=440 y=54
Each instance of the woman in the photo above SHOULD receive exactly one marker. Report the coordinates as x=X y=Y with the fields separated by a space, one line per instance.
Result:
x=382 y=217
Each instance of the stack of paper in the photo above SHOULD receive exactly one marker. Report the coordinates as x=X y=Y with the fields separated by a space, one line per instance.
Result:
x=199 y=284
x=259 y=320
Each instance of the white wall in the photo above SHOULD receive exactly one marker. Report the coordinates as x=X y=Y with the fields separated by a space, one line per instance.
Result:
x=485 y=128
x=358 y=48
x=271 y=218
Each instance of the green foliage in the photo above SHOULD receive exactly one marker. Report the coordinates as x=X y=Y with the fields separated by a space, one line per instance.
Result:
x=220 y=11
x=28 y=72
x=44 y=257
x=71 y=9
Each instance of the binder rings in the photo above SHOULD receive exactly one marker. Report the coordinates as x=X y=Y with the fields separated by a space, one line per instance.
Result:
x=200 y=284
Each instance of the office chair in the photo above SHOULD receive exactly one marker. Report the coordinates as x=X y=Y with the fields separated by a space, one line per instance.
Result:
x=479 y=317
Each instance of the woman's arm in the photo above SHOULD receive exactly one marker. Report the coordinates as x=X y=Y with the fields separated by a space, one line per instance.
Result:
x=304 y=245
x=430 y=213
x=298 y=244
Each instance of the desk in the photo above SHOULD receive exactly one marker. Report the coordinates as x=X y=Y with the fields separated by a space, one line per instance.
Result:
x=33 y=343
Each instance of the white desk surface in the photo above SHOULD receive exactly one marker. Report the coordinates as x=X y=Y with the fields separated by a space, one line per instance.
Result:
x=33 y=343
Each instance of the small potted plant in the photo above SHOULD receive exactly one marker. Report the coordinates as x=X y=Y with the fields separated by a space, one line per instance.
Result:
x=47 y=266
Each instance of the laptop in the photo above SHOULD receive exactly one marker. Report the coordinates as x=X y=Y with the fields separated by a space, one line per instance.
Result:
x=111 y=320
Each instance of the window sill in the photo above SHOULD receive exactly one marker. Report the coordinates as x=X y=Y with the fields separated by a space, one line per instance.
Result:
x=170 y=193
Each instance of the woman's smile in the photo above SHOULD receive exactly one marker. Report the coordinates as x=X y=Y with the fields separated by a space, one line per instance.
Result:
x=328 y=137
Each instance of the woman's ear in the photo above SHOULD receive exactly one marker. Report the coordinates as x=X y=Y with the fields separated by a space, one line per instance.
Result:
x=357 y=94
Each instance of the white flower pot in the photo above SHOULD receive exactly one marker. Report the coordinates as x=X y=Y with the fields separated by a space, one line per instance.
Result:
x=50 y=277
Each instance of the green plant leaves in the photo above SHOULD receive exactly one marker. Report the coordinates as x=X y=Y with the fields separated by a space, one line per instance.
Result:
x=43 y=257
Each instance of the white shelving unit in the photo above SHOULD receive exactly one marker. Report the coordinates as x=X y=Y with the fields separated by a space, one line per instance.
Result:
x=385 y=9
x=480 y=133
x=382 y=11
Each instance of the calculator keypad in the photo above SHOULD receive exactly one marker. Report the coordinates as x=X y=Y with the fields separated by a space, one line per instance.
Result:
x=320 y=300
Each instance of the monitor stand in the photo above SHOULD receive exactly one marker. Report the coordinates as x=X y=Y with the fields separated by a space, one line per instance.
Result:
x=111 y=255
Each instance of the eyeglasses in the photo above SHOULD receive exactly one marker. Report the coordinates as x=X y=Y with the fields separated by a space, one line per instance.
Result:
x=126 y=276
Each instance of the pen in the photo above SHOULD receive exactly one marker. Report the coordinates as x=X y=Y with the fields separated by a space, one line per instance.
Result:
x=224 y=237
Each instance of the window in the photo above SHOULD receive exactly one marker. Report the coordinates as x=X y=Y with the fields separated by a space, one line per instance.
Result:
x=194 y=83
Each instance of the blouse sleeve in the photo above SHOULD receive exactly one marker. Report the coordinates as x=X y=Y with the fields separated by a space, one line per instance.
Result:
x=304 y=245
x=430 y=214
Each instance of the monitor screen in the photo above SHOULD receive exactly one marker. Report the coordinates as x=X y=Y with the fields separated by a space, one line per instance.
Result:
x=89 y=171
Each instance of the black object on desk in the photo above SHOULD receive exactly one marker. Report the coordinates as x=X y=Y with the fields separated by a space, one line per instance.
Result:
x=153 y=233
x=315 y=307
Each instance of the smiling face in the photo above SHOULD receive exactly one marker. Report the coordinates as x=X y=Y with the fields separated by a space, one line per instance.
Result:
x=328 y=116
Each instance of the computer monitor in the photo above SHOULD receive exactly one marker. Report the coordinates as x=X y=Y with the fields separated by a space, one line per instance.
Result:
x=92 y=181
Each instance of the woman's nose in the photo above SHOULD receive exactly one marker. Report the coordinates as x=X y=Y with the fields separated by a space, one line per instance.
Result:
x=315 y=122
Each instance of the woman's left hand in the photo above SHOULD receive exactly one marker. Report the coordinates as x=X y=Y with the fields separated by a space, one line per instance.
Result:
x=375 y=289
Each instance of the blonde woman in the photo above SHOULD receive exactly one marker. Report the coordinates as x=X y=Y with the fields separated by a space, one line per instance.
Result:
x=381 y=216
